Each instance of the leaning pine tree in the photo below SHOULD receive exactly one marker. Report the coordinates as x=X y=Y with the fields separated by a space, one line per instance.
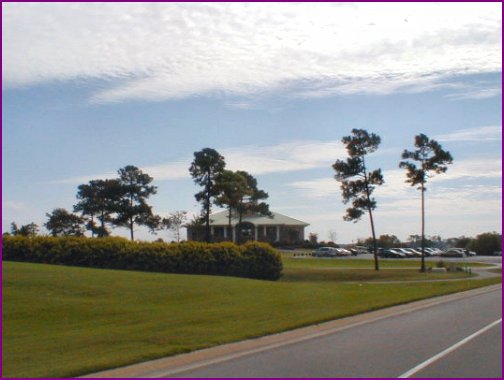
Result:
x=357 y=182
x=431 y=158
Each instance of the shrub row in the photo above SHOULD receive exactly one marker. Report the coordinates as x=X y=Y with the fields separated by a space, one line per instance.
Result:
x=252 y=260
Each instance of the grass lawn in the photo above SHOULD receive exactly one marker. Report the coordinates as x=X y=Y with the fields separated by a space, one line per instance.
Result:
x=496 y=270
x=339 y=275
x=338 y=262
x=67 y=321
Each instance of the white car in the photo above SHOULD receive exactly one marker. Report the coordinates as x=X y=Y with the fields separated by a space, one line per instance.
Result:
x=343 y=252
x=431 y=251
x=453 y=252
x=410 y=252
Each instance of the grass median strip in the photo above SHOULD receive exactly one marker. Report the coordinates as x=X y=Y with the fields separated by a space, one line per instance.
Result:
x=66 y=321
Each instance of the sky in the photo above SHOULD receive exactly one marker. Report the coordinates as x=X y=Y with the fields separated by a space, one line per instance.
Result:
x=273 y=87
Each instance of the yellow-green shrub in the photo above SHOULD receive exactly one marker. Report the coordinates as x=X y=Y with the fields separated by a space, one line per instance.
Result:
x=252 y=260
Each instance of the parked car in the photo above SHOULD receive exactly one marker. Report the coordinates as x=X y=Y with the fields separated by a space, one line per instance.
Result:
x=410 y=252
x=431 y=251
x=392 y=253
x=418 y=252
x=359 y=249
x=343 y=252
x=325 y=252
x=453 y=252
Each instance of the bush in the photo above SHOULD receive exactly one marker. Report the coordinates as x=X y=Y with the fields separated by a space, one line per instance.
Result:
x=261 y=261
x=252 y=260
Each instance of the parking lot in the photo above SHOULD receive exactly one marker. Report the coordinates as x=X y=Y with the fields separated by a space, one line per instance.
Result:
x=473 y=259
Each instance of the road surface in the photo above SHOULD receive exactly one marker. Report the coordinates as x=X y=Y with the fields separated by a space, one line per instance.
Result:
x=458 y=335
x=390 y=347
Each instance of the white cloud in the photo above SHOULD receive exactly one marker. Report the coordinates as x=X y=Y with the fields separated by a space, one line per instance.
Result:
x=486 y=133
x=84 y=178
x=482 y=93
x=14 y=206
x=257 y=160
x=290 y=156
x=317 y=188
x=457 y=202
x=158 y=51
x=395 y=187
x=477 y=168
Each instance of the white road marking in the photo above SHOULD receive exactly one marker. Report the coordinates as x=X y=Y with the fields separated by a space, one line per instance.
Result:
x=428 y=362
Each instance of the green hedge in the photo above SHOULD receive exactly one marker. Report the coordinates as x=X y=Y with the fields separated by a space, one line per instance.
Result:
x=252 y=260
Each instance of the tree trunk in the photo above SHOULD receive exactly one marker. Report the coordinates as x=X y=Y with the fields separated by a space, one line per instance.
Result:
x=422 y=269
x=131 y=218
x=375 y=248
x=207 y=210
x=230 y=227
x=93 y=226
x=102 y=224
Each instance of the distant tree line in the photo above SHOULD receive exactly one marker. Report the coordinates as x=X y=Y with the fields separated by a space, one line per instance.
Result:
x=103 y=204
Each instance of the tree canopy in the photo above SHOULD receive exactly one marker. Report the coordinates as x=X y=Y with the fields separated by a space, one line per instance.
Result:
x=132 y=207
x=231 y=188
x=174 y=222
x=205 y=168
x=250 y=201
x=63 y=223
x=428 y=158
x=28 y=230
x=357 y=181
x=99 y=198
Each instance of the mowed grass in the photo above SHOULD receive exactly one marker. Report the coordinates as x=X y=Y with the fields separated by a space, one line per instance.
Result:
x=343 y=275
x=66 y=321
x=339 y=262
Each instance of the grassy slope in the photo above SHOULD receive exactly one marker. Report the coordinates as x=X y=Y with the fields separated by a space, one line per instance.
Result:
x=65 y=321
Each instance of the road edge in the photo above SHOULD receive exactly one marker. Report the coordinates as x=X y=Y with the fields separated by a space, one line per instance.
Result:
x=172 y=365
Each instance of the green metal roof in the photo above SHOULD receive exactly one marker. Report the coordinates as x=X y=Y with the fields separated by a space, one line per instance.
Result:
x=221 y=219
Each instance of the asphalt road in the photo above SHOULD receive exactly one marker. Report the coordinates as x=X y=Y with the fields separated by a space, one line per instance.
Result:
x=461 y=338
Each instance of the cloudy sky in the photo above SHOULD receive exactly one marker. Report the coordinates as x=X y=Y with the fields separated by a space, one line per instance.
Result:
x=90 y=88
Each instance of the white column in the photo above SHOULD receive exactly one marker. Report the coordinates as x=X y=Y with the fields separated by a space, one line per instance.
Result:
x=264 y=232
x=277 y=233
x=234 y=235
x=256 y=233
x=225 y=232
